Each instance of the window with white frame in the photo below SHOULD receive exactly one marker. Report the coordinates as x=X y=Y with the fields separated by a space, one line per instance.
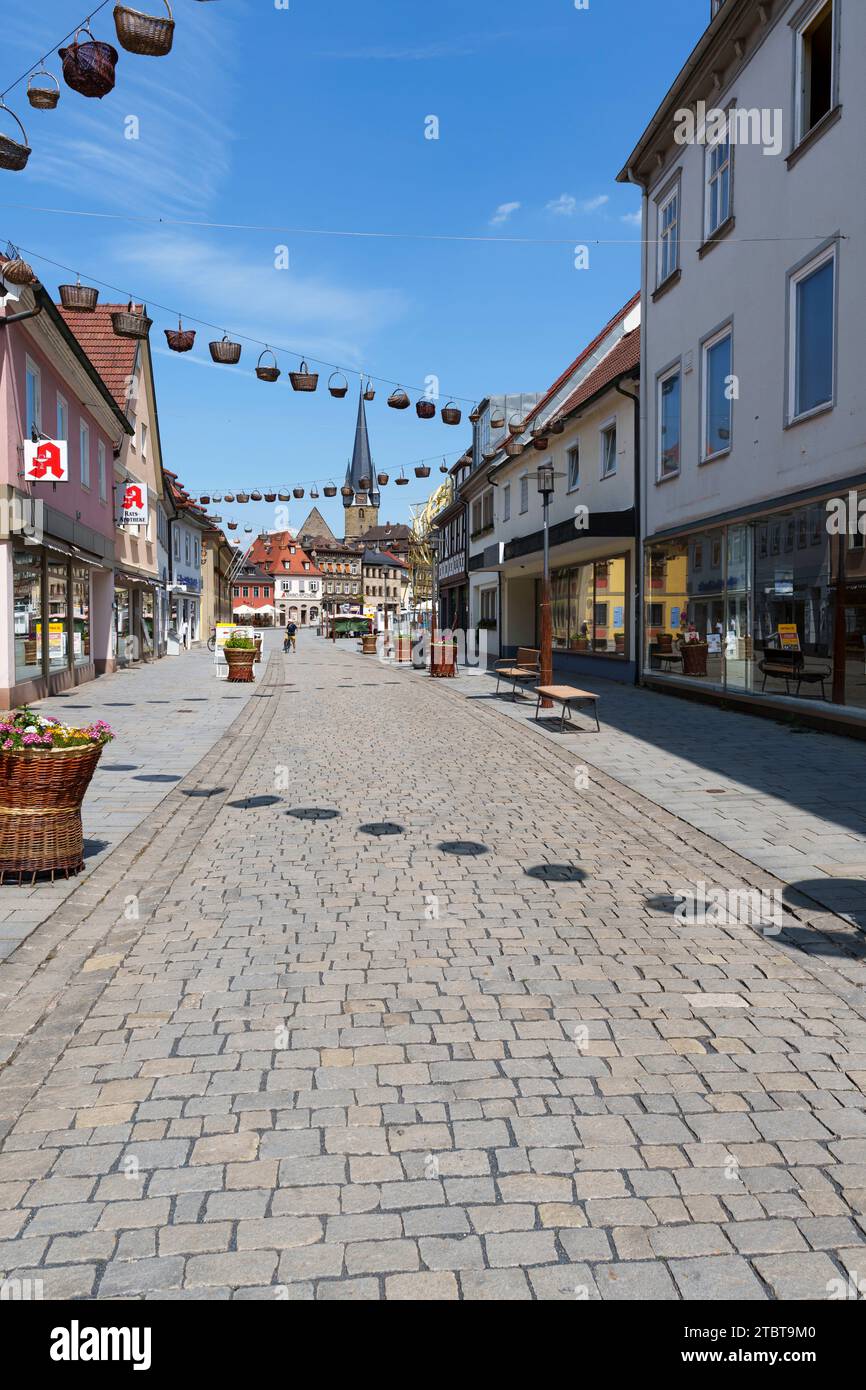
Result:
x=62 y=417
x=717 y=404
x=487 y=509
x=669 y=423
x=506 y=502
x=812 y=335
x=668 y=234
x=816 y=67
x=33 y=378
x=186 y=547
x=717 y=208
x=524 y=493
x=574 y=468
x=102 y=471
x=143 y=437
x=608 y=450
x=84 y=451
x=487 y=605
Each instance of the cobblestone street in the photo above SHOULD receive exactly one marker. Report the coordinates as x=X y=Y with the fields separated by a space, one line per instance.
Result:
x=381 y=1001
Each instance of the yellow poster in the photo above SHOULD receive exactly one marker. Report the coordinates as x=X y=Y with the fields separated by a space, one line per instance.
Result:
x=789 y=637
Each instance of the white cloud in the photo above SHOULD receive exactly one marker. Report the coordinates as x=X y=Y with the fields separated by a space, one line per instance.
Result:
x=633 y=219
x=563 y=206
x=566 y=205
x=503 y=213
x=242 y=291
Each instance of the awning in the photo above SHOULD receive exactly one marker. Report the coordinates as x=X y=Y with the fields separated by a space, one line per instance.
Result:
x=123 y=579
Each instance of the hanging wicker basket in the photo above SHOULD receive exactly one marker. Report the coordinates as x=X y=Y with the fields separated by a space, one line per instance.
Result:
x=180 y=339
x=14 y=154
x=443 y=467
x=255 y=496
x=284 y=496
x=225 y=351
x=497 y=419
x=540 y=442
x=88 y=67
x=365 y=483
x=475 y=415
x=557 y=426
x=43 y=98
x=129 y=323
x=516 y=425
x=382 y=479
x=398 y=400
x=80 y=297
x=338 y=385
x=41 y=791
x=451 y=414
x=402 y=481
x=229 y=497
x=422 y=471
x=232 y=525
x=149 y=35
x=303 y=379
x=425 y=410
x=314 y=492
x=267 y=371
x=330 y=490
x=346 y=491
x=513 y=448
x=369 y=392
x=242 y=497
x=205 y=499
x=297 y=492
x=17 y=271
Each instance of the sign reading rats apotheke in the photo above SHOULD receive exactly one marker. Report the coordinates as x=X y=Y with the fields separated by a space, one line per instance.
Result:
x=46 y=460
x=133 y=507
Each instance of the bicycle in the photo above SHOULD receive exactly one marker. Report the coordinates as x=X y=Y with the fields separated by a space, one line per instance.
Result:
x=211 y=641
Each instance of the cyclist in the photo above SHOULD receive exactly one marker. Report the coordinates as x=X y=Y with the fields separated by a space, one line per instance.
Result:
x=291 y=636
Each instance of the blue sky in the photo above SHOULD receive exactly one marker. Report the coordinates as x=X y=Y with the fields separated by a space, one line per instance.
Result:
x=314 y=117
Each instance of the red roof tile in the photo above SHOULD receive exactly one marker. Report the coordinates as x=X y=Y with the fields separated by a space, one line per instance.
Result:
x=113 y=357
x=278 y=558
x=623 y=357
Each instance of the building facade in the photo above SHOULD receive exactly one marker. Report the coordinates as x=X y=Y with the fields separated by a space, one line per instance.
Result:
x=385 y=581
x=187 y=528
x=754 y=297
x=57 y=540
x=253 y=598
x=298 y=580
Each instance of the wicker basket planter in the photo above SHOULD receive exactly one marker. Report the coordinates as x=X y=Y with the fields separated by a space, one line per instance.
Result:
x=422 y=471
x=88 y=67
x=14 y=154
x=443 y=657
x=369 y=643
x=43 y=98
x=241 y=661
x=557 y=426
x=270 y=497
x=426 y=410
x=369 y=392
x=150 y=35
x=330 y=490
x=298 y=492
x=513 y=448
x=267 y=371
x=694 y=656
x=382 y=479
x=41 y=791
x=180 y=339
x=398 y=400
x=225 y=351
x=451 y=414
x=338 y=385
x=16 y=271
x=82 y=298
x=303 y=379
x=129 y=323
x=402 y=481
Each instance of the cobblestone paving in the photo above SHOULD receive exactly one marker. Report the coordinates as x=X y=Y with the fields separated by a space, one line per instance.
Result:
x=399 y=1013
x=166 y=715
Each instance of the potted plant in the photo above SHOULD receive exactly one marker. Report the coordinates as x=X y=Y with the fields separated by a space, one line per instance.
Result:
x=240 y=654
x=45 y=770
x=443 y=656
x=694 y=653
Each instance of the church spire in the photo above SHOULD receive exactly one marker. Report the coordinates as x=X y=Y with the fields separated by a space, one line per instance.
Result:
x=361 y=465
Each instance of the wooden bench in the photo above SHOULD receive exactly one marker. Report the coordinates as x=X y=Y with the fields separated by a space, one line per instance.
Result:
x=525 y=667
x=566 y=695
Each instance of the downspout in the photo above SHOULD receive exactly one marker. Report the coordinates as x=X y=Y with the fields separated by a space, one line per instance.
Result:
x=19 y=318
x=638 y=557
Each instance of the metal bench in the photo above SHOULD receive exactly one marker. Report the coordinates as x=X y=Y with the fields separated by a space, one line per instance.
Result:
x=525 y=667
x=566 y=695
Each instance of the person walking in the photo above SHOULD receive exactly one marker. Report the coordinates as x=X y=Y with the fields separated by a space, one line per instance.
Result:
x=291 y=636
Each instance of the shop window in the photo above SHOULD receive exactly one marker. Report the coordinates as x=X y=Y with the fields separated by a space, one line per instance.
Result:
x=58 y=615
x=588 y=607
x=81 y=614
x=27 y=612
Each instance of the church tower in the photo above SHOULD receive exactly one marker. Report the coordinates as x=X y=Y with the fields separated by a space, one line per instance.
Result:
x=362 y=508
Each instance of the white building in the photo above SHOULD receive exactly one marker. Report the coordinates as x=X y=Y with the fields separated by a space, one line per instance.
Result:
x=585 y=425
x=754 y=300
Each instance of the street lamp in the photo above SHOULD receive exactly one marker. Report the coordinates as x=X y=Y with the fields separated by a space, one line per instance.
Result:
x=546 y=487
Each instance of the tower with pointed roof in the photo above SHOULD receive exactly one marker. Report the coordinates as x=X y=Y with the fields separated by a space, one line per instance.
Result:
x=362 y=508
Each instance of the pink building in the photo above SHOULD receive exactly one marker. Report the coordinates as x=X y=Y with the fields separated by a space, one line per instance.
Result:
x=56 y=537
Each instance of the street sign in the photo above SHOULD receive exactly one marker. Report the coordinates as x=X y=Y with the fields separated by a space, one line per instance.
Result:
x=46 y=460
